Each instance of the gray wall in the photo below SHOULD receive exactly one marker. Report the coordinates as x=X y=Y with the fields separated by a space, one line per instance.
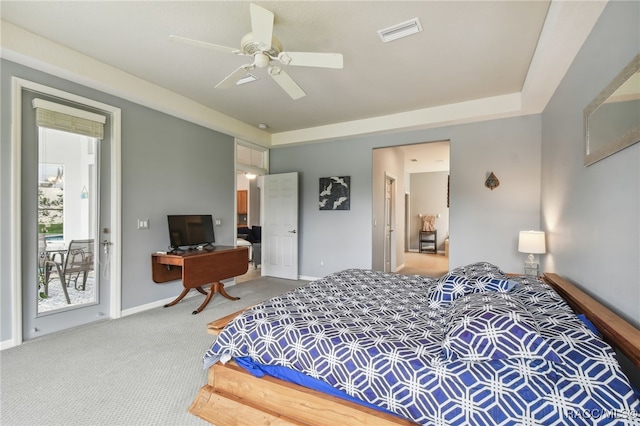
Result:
x=429 y=196
x=168 y=166
x=254 y=203
x=340 y=239
x=484 y=224
x=592 y=214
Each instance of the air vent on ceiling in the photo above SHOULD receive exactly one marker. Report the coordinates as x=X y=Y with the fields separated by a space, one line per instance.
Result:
x=403 y=29
x=249 y=78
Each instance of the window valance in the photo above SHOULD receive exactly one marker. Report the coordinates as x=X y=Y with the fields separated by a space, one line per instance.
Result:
x=62 y=117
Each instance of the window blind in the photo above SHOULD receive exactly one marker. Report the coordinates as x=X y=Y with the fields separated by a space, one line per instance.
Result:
x=68 y=119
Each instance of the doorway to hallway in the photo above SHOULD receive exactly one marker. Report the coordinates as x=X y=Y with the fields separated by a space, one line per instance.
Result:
x=422 y=188
x=251 y=165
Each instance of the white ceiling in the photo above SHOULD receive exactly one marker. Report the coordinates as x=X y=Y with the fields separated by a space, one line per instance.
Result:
x=474 y=60
x=426 y=157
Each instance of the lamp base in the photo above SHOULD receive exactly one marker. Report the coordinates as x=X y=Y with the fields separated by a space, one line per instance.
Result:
x=531 y=269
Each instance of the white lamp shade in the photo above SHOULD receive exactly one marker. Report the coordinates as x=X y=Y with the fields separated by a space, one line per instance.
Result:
x=531 y=242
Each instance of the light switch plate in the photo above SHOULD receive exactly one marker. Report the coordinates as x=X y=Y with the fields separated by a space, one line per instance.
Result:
x=143 y=223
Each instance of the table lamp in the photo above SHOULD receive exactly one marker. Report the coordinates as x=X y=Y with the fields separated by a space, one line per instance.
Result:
x=532 y=242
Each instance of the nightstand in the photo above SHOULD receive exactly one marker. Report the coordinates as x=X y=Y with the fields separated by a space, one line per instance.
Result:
x=428 y=242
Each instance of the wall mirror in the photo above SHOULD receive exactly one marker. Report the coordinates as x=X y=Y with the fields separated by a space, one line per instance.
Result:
x=612 y=119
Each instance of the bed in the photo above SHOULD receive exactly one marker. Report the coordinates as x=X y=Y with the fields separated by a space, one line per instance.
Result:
x=475 y=346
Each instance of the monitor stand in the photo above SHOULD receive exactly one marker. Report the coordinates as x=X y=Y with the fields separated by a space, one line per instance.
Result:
x=175 y=250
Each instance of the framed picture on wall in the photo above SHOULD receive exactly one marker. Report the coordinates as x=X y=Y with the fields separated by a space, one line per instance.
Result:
x=334 y=193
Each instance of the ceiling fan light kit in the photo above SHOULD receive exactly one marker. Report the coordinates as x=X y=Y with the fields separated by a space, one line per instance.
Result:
x=251 y=47
x=264 y=47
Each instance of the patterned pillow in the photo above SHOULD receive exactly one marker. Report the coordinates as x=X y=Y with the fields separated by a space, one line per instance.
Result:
x=449 y=287
x=483 y=284
x=479 y=269
x=457 y=283
x=489 y=326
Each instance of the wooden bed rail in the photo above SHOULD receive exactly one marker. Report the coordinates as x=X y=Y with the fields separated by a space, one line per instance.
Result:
x=234 y=397
x=215 y=327
x=615 y=330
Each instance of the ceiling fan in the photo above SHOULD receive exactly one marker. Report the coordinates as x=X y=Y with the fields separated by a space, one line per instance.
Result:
x=264 y=47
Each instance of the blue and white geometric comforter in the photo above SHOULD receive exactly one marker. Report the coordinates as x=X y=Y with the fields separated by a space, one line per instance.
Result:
x=471 y=348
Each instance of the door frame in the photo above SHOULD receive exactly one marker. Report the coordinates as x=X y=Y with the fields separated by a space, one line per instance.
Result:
x=115 y=289
x=259 y=171
x=392 y=247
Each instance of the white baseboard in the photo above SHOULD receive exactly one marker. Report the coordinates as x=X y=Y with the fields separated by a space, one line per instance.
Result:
x=6 y=344
x=307 y=278
x=159 y=303
x=152 y=305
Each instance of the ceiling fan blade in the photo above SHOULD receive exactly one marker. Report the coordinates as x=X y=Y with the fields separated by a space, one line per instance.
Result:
x=204 y=44
x=233 y=78
x=310 y=59
x=286 y=82
x=261 y=26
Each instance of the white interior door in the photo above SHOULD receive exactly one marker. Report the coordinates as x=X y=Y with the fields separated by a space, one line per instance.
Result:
x=280 y=226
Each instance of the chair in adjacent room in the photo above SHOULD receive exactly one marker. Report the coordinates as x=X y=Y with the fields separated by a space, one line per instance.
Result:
x=257 y=246
x=254 y=236
x=78 y=261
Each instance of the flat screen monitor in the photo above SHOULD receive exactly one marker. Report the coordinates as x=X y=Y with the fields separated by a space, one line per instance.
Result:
x=190 y=230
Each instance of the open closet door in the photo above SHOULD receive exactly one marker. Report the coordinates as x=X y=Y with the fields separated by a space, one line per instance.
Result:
x=280 y=226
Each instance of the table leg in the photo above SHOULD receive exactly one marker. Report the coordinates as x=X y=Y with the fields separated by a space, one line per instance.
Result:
x=219 y=288
x=216 y=287
x=179 y=298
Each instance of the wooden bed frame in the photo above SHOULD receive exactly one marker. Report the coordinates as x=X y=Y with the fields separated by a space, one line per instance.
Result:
x=235 y=397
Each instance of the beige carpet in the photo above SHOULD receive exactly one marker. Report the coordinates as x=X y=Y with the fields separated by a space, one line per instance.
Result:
x=144 y=369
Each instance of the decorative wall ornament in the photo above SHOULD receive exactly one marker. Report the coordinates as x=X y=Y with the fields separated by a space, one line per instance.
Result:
x=334 y=193
x=492 y=182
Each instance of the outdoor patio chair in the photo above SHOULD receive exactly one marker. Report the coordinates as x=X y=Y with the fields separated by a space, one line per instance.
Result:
x=44 y=267
x=78 y=260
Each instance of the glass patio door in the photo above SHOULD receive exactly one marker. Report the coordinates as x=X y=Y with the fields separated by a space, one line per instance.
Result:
x=62 y=199
x=67 y=214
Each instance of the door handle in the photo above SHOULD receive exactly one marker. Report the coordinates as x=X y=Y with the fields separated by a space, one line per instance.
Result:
x=292 y=232
x=106 y=245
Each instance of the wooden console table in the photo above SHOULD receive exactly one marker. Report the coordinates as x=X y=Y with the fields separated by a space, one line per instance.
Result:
x=200 y=267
